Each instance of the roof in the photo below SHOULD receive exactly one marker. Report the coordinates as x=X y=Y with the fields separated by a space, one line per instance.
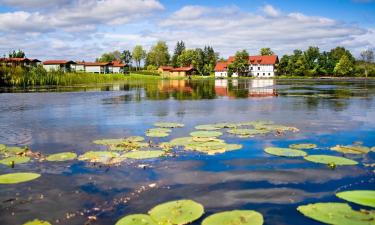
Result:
x=116 y=63
x=166 y=68
x=182 y=69
x=53 y=62
x=259 y=59
x=221 y=66
x=96 y=63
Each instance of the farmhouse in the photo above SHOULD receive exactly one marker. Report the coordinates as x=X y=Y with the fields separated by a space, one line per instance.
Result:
x=20 y=61
x=118 y=67
x=61 y=65
x=259 y=66
x=168 y=71
x=98 y=67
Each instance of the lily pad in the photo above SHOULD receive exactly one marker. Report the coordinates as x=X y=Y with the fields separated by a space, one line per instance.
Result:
x=37 y=222
x=361 y=197
x=287 y=152
x=247 y=132
x=303 y=146
x=237 y=217
x=226 y=125
x=257 y=123
x=98 y=156
x=207 y=127
x=206 y=134
x=2 y=147
x=14 y=160
x=373 y=149
x=14 y=150
x=144 y=154
x=351 y=149
x=275 y=127
x=232 y=147
x=168 y=125
x=14 y=178
x=63 y=156
x=328 y=159
x=134 y=139
x=177 y=212
x=136 y=219
x=157 y=134
x=182 y=141
x=110 y=141
x=337 y=213
x=159 y=130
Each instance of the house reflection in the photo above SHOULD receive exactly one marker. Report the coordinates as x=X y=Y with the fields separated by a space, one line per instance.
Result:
x=249 y=88
x=262 y=88
x=174 y=85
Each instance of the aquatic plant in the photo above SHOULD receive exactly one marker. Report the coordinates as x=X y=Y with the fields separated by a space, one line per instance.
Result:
x=181 y=141
x=247 y=132
x=136 y=219
x=205 y=134
x=361 y=197
x=168 y=125
x=328 y=159
x=303 y=146
x=144 y=154
x=2 y=147
x=207 y=127
x=134 y=139
x=286 y=152
x=63 y=156
x=237 y=217
x=103 y=157
x=9 y=161
x=337 y=213
x=15 y=150
x=37 y=222
x=109 y=141
x=14 y=178
x=226 y=125
x=156 y=133
x=351 y=149
x=177 y=212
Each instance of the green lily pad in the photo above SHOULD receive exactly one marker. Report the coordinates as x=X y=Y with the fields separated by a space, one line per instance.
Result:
x=14 y=150
x=168 y=125
x=159 y=130
x=373 y=149
x=206 y=134
x=177 y=212
x=2 y=147
x=275 y=127
x=212 y=147
x=37 y=222
x=247 y=132
x=14 y=160
x=226 y=125
x=98 y=156
x=303 y=146
x=136 y=219
x=257 y=123
x=237 y=217
x=351 y=149
x=63 y=156
x=328 y=159
x=14 y=178
x=232 y=147
x=287 y=152
x=207 y=127
x=361 y=197
x=157 y=134
x=134 y=139
x=110 y=141
x=207 y=139
x=182 y=141
x=337 y=213
x=144 y=154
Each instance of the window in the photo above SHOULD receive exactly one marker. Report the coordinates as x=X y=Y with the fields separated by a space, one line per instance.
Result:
x=264 y=74
x=259 y=68
x=258 y=74
x=251 y=68
x=269 y=74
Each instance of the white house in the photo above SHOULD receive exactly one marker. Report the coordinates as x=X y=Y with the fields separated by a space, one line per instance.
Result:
x=59 y=65
x=260 y=66
x=80 y=67
x=98 y=67
x=117 y=67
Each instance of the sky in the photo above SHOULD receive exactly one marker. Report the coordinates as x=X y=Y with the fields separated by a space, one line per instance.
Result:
x=84 y=29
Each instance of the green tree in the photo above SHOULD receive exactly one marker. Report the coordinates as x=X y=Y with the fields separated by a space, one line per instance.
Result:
x=240 y=64
x=367 y=57
x=266 y=51
x=126 y=56
x=138 y=55
x=180 y=47
x=344 y=67
x=158 y=55
x=210 y=59
x=186 y=58
x=311 y=56
x=282 y=68
x=17 y=54
x=109 y=56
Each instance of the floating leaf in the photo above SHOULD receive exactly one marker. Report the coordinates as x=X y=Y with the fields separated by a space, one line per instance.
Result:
x=257 y=123
x=206 y=134
x=181 y=141
x=232 y=147
x=134 y=139
x=2 y=147
x=303 y=146
x=99 y=157
x=328 y=159
x=373 y=149
x=144 y=154
x=14 y=160
x=226 y=125
x=14 y=150
x=237 y=217
x=157 y=134
x=14 y=178
x=159 y=130
x=337 y=213
x=207 y=139
x=247 y=132
x=110 y=141
x=351 y=149
x=275 y=127
x=63 y=156
x=136 y=219
x=361 y=197
x=37 y=222
x=177 y=212
x=207 y=127
x=287 y=152
x=168 y=125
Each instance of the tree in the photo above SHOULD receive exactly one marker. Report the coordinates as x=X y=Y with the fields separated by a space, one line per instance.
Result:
x=266 y=51
x=180 y=47
x=311 y=58
x=240 y=64
x=17 y=54
x=344 y=67
x=158 y=55
x=138 y=55
x=368 y=57
x=186 y=58
x=210 y=59
x=110 y=56
x=126 y=56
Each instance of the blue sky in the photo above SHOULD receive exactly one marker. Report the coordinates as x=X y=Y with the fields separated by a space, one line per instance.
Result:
x=84 y=29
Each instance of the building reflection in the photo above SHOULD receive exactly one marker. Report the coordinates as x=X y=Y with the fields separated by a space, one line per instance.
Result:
x=245 y=89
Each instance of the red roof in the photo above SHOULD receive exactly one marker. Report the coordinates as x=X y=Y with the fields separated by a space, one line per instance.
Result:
x=116 y=63
x=221 y=66
x=260 y=59
x=182 y=69
x=166 y=68
x=53 y=62
x=96 y=63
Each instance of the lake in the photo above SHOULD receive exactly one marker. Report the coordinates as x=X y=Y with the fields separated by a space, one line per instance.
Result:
x=52 y=120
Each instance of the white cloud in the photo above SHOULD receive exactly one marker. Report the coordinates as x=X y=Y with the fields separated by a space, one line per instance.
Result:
x=34 y=3
x=270 y=11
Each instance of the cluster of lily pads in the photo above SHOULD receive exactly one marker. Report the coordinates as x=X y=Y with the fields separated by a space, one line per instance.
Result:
x=298 y=150
x=186 y=211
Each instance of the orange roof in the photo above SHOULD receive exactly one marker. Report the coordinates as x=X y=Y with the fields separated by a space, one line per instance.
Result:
x=221 y=66
x=260 y=59
x=182 y=69
x=117 y=63
x=53 y=62
x=96 y=63
x=166 y=68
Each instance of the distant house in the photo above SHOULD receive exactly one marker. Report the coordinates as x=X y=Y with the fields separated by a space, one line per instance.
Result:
x=59 y=65
x=98 y=67
x=168 y=71
x=165 y=70
x=259 y=66
x=118 y=67
x=80 y=66
x=20 y=61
